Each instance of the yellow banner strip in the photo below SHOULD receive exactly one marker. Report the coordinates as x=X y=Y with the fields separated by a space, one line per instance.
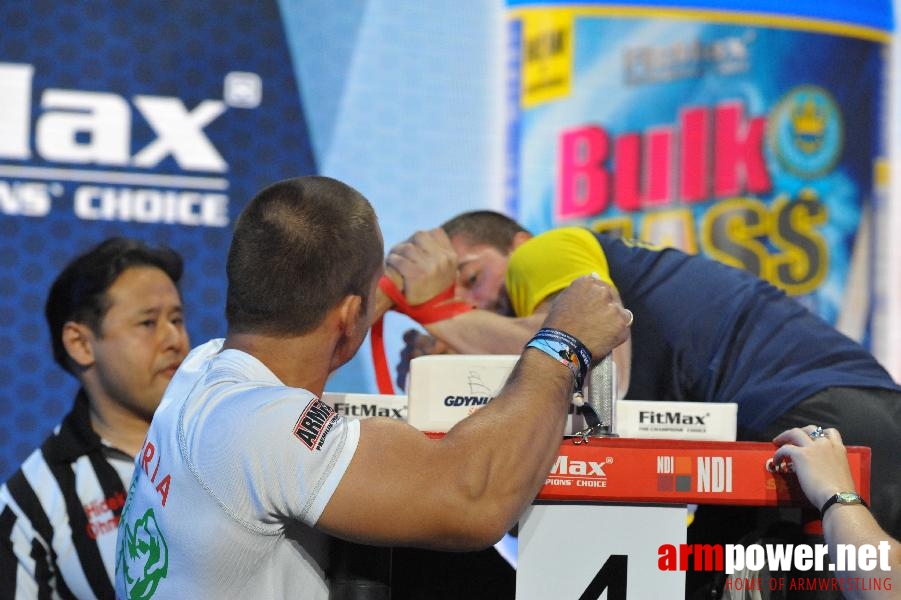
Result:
x=715 y=16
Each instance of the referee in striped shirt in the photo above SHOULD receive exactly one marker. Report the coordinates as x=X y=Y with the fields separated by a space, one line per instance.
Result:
x=116 y=324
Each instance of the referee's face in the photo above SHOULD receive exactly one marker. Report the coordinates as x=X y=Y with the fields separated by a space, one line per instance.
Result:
x=142 y=342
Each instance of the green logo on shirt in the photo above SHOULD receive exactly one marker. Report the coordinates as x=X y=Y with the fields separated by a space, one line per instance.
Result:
x=143 y=557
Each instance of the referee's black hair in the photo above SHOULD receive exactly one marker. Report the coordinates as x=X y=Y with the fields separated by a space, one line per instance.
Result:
x=79 y=291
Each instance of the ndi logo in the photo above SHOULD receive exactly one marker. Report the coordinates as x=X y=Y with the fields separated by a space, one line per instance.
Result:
x=714 y=474
x=673 y=474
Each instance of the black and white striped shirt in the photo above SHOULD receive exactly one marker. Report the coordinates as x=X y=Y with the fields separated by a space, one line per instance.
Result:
x=59 y=514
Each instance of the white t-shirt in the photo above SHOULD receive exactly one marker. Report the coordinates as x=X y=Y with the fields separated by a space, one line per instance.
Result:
x=236 y=469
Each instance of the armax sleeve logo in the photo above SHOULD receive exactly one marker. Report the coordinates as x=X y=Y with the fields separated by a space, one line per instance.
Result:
x=314 y=424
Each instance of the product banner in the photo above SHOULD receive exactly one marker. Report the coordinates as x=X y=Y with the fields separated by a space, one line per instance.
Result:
x=680 y=471
x=751 y=138
x=129 y=119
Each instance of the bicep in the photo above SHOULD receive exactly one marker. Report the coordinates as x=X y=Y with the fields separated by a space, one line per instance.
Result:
x=395 y=490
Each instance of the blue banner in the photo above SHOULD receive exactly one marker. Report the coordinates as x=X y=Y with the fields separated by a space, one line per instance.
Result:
x=154 y=121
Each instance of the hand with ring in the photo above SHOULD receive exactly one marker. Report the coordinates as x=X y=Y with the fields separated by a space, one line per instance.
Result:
x=818 y=433
x=822 y=468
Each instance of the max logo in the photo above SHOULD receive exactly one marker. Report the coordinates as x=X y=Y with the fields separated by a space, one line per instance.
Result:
x=314 y=423
x=565 y=466
x=105 y=120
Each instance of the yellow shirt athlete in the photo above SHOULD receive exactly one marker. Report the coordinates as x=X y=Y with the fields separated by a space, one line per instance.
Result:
x=535 y=270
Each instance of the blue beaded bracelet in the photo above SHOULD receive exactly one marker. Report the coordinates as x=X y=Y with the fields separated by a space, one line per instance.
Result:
x=565 y=349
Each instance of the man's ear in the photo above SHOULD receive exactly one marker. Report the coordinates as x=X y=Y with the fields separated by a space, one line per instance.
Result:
x=77 y=340
x=349 y=316
x=350 y=311
x=519 y=238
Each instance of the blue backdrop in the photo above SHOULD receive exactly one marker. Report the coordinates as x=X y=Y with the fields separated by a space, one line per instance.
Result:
x=113 y=114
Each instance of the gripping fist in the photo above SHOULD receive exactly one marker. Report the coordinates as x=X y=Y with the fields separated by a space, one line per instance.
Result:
x=427 y=264
x=590 y=310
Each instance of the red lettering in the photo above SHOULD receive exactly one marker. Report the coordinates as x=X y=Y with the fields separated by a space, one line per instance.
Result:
x=98 y=507
x=667 y=560
x=146 y=457
x=660 y=142
x=584 y=183
x=163 y=488
x=717 y=156
x=694 y=154
x=744 y=583
x=684 y=553
x=739 y=149
x=707 y=557
x=116 y=501
x=627 y=183
x=94 y=530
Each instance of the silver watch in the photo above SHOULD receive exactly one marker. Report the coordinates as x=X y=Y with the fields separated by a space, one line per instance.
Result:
x=842 y=498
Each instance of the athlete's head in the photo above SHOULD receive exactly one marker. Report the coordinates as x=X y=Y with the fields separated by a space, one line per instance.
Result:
x=483 y=241
x=300 y=247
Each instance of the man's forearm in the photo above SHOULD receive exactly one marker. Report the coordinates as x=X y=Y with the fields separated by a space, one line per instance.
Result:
x=382 y=302
x=855 y=525
x=484 y=332
x=382 y=305
x=513 y=441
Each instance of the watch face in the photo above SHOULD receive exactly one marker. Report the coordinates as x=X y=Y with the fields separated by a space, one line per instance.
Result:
x=848 y=498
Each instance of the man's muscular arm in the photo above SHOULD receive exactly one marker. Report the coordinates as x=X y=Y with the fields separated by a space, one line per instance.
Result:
x=484 y=332
x=467 y=489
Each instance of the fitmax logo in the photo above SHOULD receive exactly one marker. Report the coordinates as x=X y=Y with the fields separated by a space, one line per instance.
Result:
x=671 y=418
x=368 y=410
x=81 y=127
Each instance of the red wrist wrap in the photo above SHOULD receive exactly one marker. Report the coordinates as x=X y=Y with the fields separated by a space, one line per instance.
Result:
x=441 y=307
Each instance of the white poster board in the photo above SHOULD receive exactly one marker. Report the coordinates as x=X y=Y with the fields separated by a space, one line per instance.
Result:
x=594 y=551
